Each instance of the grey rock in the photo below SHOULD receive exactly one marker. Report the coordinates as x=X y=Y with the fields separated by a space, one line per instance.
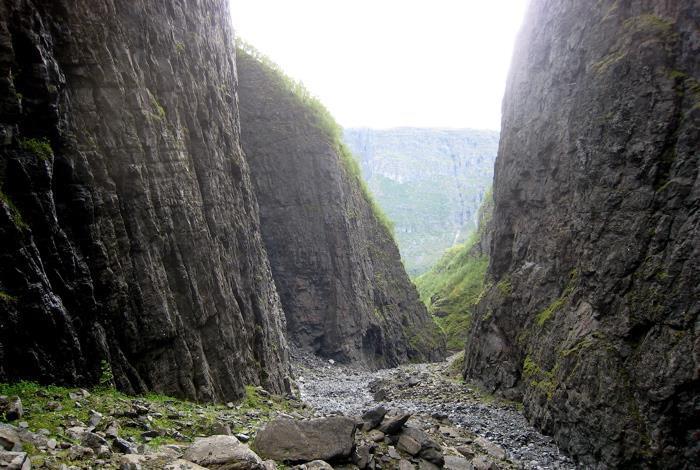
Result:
x=594 y=256
x=454 y=462
x=181 y=464
x=221 y=429
x=94 y=419
x=243 y=437
x=314 y=465
x=409 y=445
x=372 y=418
x=346 y=297
x=291 y=440
x=145 y=248
x=13 y=409
x=492 y=449
x=376 y=435
x=392 y=424
x=92 y=440
x=224 y=453
x=362 y=456
x=426 y=465
x=9 y=438
x=482 y=462
x=123 y=446
x=14 y=461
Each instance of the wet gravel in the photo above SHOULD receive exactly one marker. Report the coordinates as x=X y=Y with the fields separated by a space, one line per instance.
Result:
x=426 y=389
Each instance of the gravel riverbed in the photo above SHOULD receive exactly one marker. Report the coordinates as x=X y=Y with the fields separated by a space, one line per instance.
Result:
x=429 y=392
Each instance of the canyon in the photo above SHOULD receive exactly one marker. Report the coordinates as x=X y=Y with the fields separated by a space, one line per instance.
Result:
x=193 y=264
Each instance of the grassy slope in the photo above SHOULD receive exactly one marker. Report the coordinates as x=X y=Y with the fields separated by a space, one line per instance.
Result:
x=451 y=289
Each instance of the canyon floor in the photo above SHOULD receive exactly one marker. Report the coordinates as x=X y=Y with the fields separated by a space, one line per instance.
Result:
x=456 y=414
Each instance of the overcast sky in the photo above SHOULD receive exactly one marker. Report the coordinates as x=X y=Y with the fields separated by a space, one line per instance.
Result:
x=389 y=63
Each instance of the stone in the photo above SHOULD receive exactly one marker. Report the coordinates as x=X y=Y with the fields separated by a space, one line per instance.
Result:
x=77 y=452
x=204 y=217
x=93 y=441
x=393 y=453
x=314 y=465
x=285 y=146
x=51 y=443
x=9 y=438
x=494 y=450
x=94 y=419
x=14 y=461
x=406 y=465
x=376 y=435
x=284 y=439
x=426 y=465
x=243 y=437
x=466 y=451
x=123 y=446
x=223 y=452
x=221 y=429
x=454 y=462
x=392 y=424
x=144 y=462
x=413 y=381
x=13 y=409
x=181 y=464
x=482 y=462
x=409 y=445
x=372 y=418
x=362 y=456
x=601 y=279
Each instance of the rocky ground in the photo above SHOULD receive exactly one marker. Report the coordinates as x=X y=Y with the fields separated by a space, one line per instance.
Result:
x=454 y=412
x=416 y=416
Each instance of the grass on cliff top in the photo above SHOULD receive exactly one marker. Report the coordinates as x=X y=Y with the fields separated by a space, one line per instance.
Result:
x=53 y=408
x=325 y=122
x=452 y=288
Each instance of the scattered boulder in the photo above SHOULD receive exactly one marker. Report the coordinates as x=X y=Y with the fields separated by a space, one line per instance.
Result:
x=392 y=424
x=484 y=463
x=314 y=465
x=221 y=429
x=418 y=443
x=454 y=462
x=94 y=419
x=9 y=438
x=92 y=440
x=376 y=435
x=425 y=465
x=290 y=440
x=406 y=465
x=362 y=456
x=492 y=449
x=181 y=464
x=123 y=446
x=372 y=418
x=13 y=409
x=14 y=461
x=224 y=453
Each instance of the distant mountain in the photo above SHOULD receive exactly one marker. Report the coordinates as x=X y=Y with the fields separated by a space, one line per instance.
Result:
x=429 y=181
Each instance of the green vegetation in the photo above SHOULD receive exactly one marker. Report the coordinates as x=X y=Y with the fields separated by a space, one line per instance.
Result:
x=14 y=212
x=159 y=110
x=559 y=302
x=52 y=407
x=453 y=287
x=324 y=121
x=5 y=297
x=39 y=147
x=539 y=378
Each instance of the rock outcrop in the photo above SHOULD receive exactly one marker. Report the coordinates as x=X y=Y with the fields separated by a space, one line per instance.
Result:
x=130 y=232
x=430 y=181
x=339 y=274
x=592 y=316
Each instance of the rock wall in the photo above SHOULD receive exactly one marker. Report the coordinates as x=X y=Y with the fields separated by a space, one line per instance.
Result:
x=592 y=317
x=431 y=182
x=129 y=228
x=344 y=290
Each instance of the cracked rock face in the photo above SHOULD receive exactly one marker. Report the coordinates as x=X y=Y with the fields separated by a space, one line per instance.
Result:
x=343 y=287
x=129 y=227
x=592 y=315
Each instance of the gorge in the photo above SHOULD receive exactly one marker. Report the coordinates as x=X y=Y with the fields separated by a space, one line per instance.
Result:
x=190 y=251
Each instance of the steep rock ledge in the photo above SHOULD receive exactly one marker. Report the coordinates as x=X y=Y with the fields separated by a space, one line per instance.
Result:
x=129 y=228
x=337 y=269
x=593 y=315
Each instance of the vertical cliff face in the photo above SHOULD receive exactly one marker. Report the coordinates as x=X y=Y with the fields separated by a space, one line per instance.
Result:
x=431 y=182
x=339 y=274
x=593 y=314
x=129 y=228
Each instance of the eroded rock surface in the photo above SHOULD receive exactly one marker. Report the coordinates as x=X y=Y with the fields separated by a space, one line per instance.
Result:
x=128 y=222
x=344 y=289
x=593 y=311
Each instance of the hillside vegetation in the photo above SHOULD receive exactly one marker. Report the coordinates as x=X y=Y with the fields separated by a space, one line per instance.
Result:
x=452 y=288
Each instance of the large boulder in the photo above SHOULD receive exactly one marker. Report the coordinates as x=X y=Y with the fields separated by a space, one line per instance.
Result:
x=418 y=443
x=223 y=452
x=290 y=440
x=14 y=461
x=9 y=438
x=392 y=424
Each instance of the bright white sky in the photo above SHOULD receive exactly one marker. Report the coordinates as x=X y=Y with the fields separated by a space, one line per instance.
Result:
x=390 y=63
